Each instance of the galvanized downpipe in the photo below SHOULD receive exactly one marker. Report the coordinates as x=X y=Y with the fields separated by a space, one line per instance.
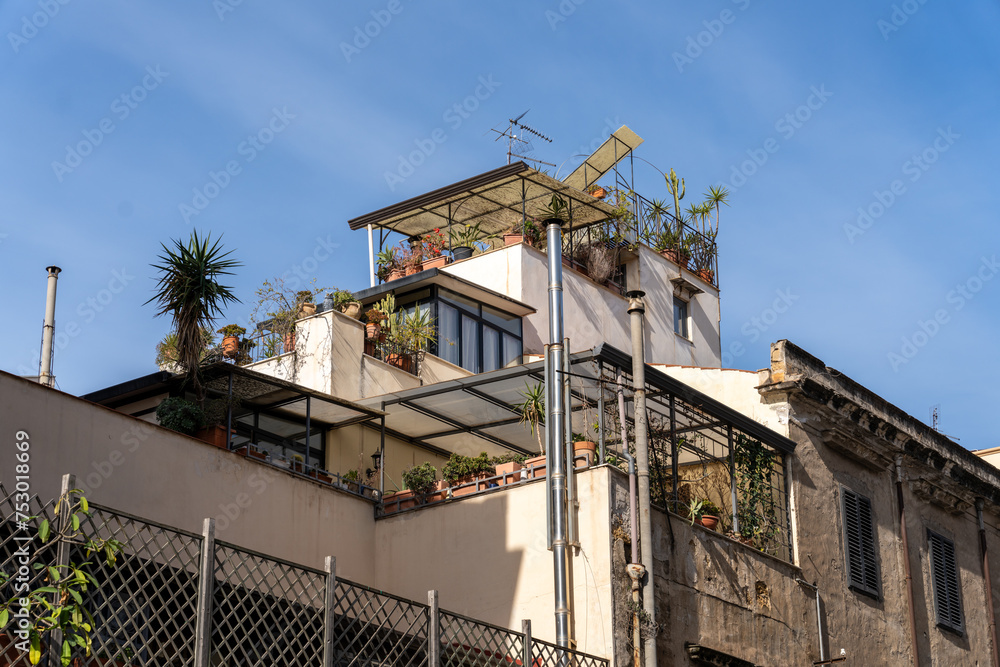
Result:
x=637 y=310
x=556 y=422
x=634 y=569
x=906 y=561
x=987 y=582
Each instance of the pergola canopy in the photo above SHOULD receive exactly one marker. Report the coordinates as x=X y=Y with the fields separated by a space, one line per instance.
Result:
x=496 y=201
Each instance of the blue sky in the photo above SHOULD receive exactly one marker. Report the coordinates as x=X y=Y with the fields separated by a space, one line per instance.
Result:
x=809 y=112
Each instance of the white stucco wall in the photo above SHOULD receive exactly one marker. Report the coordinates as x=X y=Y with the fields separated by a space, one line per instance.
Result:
x=736 y=388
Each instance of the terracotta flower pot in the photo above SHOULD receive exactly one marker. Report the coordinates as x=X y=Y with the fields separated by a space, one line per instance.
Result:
x=402 y=361
x=709 y=521
x=509 y=472
x=585 y=447
x=512 y=239
x=599 y=193
x=706 y=274
x=351 y=309
x=413 y=268
x=288 y=340
x=214 y=435
x=539 y=464
x=307 y=309
x=230 y=347
x=435 y=262
x=396 y=274
x=676 y=257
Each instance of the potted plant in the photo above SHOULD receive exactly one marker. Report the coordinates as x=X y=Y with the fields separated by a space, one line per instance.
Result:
x=581 y=445
x=389 y=266
x=181 y=415
x=345 y=302
x=508 y=467
x=231 y=334
x=304 y=300
x=352 y=478
x=597 y=191
x=526 y=231
x=704 y=512
x=408 y=334
x=461 y=471
x=432 y=249
x=667 y=243
x=373 y=325
x=420 y=480
x=465 y=241
x=410 y=257
x=532 y=411
x=251 y=450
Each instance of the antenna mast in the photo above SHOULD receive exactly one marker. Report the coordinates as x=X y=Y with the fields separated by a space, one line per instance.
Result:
x=515 y=137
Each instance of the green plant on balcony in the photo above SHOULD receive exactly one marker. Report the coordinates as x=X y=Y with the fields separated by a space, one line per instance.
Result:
x=278 y=308
x=756 y=504
x=387 y=262
x=421 y=480
x=181 y=415
x=461 y=469
x=532 y=410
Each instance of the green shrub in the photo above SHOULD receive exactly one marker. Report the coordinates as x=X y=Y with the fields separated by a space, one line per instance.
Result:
x=420 y=479
x=509 y=457
x=181 y=415
x=459 y=466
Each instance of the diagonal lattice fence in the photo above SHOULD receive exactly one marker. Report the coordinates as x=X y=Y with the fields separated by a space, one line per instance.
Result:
x=180 y=599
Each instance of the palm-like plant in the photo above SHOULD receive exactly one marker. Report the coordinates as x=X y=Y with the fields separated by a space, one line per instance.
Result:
x=716 y=195
x=532 y=410
x=189 y=291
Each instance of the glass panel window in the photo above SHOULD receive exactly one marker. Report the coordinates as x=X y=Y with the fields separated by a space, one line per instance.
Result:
x=449 y=336
x=511 y=350
x=459 y=300
x=681 y=318
x=491 y=349
x=505 y=321
x=470 y=344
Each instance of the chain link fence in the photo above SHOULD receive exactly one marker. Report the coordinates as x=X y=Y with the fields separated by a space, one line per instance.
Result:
x=179 y=599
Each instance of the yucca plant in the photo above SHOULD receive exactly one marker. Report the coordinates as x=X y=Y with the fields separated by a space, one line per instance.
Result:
x=189 y=291
x=532 y=410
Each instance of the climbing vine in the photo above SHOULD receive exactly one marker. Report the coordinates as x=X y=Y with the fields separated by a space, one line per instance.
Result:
x=756 y=509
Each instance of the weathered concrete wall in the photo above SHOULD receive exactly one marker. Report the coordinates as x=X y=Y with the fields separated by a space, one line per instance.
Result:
x=848 y=437
x=131 y=465
x=488 y=558
x=736 y=388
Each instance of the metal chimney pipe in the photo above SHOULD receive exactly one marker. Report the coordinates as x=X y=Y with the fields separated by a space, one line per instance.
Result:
x=45 y=376
x=637 y=310
x=556 y=458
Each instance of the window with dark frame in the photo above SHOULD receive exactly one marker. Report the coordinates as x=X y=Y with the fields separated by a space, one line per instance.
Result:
x=471 y=335
x=944 y=574
x=681 y=318
x=859 y=544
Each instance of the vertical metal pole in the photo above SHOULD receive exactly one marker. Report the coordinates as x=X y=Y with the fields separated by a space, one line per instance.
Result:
x=526 y=657
x=600 y=412
x=674 y=450
x=206 y=583
x=229 y=414
x=371 y=258
x=45 y=376
x=329 y=610
x=572 y=502
x=633 y=508
x=547 y=378
x=381 y=449
x=557 y=425
x=62 y=558
x=308 y=431
x=433 y=631
x=637 y=309
x=732 y=480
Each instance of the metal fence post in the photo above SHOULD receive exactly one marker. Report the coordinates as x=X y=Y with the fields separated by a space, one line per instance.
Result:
x=62 y=561
x=526 y=659
x=328 y=610
x=433 y=631
x=206 y=581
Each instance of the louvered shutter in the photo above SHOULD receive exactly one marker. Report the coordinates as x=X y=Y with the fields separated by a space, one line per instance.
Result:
x=944 y=573
x=859 y=541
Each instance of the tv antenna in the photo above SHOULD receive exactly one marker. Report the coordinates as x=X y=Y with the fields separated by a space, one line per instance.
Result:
x=517 y=144
x=936 y=418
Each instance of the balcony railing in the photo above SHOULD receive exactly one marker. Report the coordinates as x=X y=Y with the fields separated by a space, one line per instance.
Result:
x=393 y=353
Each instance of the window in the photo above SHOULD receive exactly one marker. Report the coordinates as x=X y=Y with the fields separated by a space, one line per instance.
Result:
x=944 y=574
x=859 y=544
x=475 y=336
x=681 y=318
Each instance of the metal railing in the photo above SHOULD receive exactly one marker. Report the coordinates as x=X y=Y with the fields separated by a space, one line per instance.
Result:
x=393 y=353
x=182 y=599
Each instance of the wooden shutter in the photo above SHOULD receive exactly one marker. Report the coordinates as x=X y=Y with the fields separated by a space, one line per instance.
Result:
x=859 y=544
x=944 y=572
